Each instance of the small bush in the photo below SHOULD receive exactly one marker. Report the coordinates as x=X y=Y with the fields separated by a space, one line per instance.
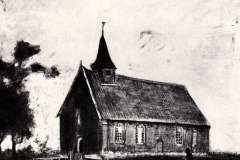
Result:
x=28 y=153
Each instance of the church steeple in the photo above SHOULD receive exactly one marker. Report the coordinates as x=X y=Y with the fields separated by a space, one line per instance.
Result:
x=103 y=63
x=103 y=59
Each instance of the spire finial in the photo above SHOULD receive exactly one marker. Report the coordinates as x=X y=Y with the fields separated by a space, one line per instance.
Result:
x=103 y=24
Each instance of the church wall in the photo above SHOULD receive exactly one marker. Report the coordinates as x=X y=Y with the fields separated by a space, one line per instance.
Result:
x=159 y=138
x=67 y=128
x=89 y=129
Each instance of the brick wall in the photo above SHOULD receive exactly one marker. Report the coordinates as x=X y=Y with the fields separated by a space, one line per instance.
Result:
x=159 y=137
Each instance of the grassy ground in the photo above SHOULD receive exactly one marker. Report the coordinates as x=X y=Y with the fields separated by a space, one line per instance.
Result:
x=211 y=156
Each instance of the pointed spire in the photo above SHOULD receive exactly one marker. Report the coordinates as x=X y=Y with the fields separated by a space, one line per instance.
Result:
x=103 y=24
x=80 y=66
x=103 y=59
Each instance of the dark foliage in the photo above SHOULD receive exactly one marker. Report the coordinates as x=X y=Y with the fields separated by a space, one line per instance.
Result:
x=26 y=153
x=49 y=73
x=6 y=69
x=25 y=50
x=16 y=117
x=3 y=65
x=54 y=72
x=37 y=67
x=3 y=119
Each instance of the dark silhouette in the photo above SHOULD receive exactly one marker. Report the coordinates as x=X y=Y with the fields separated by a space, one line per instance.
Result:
x=3 y=116
x=189 y=154
x=17 y=118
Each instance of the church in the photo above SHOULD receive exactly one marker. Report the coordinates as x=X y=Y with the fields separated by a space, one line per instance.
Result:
x=107 y=114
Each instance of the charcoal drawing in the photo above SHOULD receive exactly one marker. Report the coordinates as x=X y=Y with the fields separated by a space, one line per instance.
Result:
x=119 y=80
x=106 y=113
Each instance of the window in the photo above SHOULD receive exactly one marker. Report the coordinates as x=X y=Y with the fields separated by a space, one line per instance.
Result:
x=179 y=136
x=119 y=133
x=194 y=140
x=108 y=72
x=78 y=117
x=140 y=134
x=79 y=146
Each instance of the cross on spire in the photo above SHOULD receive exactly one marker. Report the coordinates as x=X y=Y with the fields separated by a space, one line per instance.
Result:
x=103 y=24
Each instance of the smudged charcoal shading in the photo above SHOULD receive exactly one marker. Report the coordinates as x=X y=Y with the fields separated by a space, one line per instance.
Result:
x=14 y=98
x=103 y=59
x=144 y=100
x=25 y=50
x=48 y=72
x=90 y=129
x=160 y=107
x=55 y=71
x=107 y=113
x=4 y=5
x=37 y=67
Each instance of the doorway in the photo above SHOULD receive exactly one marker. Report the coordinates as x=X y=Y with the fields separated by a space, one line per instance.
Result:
x=79 y=145
x=159 y=146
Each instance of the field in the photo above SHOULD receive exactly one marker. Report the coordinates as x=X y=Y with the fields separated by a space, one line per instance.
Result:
x=210 y=156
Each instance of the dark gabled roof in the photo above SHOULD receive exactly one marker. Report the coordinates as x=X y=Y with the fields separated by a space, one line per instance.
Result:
x=103 y=59
x=135 y=99
x=69 y=93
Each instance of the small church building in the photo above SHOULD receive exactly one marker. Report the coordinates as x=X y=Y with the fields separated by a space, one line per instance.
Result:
x=108 y=114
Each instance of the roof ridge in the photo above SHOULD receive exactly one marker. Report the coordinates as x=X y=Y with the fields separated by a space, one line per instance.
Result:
x=153 y=98
x=151 y=81
x=141 y=79
x=91 y=92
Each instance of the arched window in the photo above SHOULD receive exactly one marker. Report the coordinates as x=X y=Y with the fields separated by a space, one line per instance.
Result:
x=179 y=136
x=79 y=142
x=78 y=117
x=78 y=120
x=194 y=140
x=119 y=133
x=140 y=134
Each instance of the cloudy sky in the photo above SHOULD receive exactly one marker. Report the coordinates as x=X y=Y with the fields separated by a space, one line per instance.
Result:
x=191 y=42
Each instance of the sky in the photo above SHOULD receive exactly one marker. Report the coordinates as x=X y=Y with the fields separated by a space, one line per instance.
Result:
x=190 y=42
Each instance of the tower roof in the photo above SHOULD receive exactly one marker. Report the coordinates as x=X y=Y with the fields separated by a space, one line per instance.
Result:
x=103 y=59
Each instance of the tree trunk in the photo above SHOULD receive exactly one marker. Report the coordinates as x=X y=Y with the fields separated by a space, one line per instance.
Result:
x=13 y=145
x=1 y=140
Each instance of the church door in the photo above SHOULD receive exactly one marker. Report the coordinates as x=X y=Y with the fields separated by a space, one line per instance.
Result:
x=79 y=145
x=159 y=146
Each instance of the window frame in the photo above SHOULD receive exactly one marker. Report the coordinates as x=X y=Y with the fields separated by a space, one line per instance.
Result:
x=108 y=72
x=78 y=118
x=194 y=138
x=118 y=138
x=143 y=136
x=179 y=136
